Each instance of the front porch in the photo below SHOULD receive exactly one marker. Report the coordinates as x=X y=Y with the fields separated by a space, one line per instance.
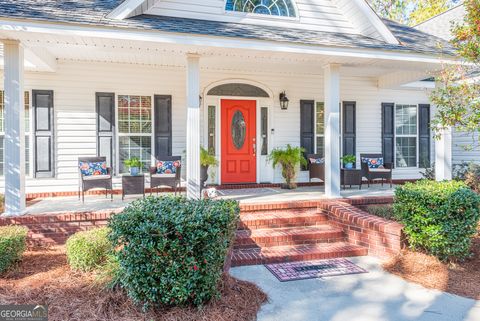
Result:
x=246 y=196
x=153 y=99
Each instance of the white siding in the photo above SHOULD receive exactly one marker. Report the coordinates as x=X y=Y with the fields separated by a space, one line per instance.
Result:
x=313 y=15
x=461 y=154
x=75 y=84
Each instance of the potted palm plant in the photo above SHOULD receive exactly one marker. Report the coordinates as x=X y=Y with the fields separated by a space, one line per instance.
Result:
x=289 y=159
x=134 y=165
x=206 y=160
x=348 y=161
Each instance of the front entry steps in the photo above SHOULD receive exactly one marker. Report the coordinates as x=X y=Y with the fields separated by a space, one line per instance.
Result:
x=292 y=234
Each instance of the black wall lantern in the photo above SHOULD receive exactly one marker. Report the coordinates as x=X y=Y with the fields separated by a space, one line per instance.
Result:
x=284 y=101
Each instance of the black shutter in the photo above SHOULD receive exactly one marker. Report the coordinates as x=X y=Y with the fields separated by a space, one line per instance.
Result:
x=424 y=136
x=163 y=126
x=388 y=132
x=349 y=128
x=105 y=108
x=43 y=144
x=307 y=126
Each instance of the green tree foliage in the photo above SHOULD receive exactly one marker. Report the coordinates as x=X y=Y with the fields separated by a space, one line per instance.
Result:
x=457 y=100
x=392 y=9
x=426 y=9
x=411 y=12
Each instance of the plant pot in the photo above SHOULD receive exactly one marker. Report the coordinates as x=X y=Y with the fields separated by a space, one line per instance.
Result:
x=203 y=175
x=349 y=165
x=288 y=186
x=134 y=171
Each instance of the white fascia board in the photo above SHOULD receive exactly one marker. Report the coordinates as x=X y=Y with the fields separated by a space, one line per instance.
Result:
x=125 y=9
x=215 y=41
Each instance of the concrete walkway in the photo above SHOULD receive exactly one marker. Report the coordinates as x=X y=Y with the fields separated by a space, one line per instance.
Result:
x=375 y=296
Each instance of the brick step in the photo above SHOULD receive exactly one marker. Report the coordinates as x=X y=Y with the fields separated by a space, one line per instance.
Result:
x=280 y=254
x=281 y=218
x=288 y=236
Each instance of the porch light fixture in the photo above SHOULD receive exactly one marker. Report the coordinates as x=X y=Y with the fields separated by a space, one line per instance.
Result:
x=200 y=100
x=284 y=100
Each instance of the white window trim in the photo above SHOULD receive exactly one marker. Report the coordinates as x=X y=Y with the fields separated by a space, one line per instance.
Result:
x=315 y=127
x=406 y=135
x=28 y=133
x=118 y=134
x=295 y=18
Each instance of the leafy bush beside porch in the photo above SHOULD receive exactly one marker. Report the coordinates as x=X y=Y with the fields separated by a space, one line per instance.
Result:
x=439 y=217
x=13 y=242
x=172 y=250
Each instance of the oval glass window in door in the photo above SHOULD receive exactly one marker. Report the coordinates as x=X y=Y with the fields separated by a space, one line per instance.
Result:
x=239 y=129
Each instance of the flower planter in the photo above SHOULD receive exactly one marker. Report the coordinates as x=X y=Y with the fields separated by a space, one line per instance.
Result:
x=134 y=171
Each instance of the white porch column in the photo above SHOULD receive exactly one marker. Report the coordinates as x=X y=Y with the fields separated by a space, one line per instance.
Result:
x=193 y=126
x=14 y=129
x=332 y=130
x=443 y=156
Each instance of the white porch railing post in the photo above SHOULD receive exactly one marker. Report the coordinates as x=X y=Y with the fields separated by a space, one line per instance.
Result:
x=443 y=156
x=14 y=129
x=193 y=126
x=332 y=130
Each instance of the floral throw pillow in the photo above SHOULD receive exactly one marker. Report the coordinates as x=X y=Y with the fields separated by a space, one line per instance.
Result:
x=373 y=162
x=93 y=168
x=167 y=167
x=317 y=160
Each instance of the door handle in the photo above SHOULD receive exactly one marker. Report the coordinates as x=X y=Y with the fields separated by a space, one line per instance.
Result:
x=254 y=149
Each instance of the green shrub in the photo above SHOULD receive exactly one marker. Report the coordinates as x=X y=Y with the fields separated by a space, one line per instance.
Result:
x=171 y=250
x=439 y=217
x=13 y=242
x=89 y=249
x=384 y=211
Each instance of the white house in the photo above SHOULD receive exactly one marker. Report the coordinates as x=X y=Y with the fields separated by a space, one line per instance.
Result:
x=155 y=77
x=441 y=26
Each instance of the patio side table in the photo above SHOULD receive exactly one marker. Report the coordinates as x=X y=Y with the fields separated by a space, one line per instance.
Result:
x=133 y=185
x=351 y=177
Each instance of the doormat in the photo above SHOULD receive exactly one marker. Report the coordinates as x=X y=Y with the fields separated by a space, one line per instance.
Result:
x=313 y=269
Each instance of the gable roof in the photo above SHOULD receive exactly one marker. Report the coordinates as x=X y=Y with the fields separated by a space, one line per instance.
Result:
x=94 y=13
x=440 y=25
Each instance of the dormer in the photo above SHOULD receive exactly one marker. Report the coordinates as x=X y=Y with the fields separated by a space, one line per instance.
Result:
x=339 y=16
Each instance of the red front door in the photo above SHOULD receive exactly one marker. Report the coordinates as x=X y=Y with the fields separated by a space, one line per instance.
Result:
x=239 y=163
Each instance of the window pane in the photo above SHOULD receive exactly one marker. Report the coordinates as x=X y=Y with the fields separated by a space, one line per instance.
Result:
x=211 y=130
x=406 y=152
x=406 y=119
x=27 y=130
x=135 y=146
x=134 y=114
x=264 y=130
x=320 y=146
x=268 y=7
x=320 y=118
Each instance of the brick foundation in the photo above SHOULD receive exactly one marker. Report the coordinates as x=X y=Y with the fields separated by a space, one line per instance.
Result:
x=382 y=237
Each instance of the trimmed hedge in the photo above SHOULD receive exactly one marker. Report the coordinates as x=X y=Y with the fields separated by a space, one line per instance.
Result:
x=13 y=242
x=89 y=249
x=171 y=250
x=440 y=218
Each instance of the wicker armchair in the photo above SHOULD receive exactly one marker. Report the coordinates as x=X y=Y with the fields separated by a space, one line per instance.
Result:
x=94 y=181
x=316 y=170
x=168 y=180
x=376 y=173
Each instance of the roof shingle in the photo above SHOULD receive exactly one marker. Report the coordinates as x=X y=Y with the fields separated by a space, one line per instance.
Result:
x=94 y=12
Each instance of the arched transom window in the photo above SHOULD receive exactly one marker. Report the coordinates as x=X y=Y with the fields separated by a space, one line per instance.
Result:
x=283 y=8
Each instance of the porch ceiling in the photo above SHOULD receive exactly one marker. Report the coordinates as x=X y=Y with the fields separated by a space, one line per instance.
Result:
x=42 y=49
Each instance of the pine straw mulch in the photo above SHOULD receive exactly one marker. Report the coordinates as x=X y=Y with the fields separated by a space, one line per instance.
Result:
x=458 y=278
x=43 y=277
